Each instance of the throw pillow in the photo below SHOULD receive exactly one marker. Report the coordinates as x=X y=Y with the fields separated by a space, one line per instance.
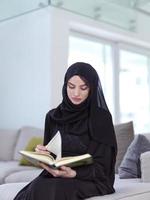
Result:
x=25 y=134
x=124 y=135
x=31 y=147
x=130 y=166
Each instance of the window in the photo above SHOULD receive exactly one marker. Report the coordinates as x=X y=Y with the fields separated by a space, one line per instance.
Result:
x=134 y=89
x=124 y=73
x=99 y=55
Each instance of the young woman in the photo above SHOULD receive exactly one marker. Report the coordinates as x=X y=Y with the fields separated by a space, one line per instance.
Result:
x=85 y=124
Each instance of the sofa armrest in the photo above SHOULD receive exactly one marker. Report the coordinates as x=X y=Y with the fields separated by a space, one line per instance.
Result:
x=145 y=166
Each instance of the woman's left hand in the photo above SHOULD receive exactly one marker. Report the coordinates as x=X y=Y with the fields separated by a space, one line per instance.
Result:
x=65 y=172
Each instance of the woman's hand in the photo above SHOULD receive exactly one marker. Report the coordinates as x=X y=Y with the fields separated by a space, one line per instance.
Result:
x=65 y=172
x=41 y=149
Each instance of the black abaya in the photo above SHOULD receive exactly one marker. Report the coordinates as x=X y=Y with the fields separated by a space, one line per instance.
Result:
x=84 y=128
x=91 y=180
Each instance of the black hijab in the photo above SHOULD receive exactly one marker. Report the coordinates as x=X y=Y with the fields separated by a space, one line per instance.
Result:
x=92 y=115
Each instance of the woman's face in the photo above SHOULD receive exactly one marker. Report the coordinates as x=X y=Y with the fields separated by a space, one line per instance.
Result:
x=77 y=90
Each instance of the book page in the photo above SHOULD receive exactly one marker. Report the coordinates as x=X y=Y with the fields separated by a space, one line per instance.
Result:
x=34 y=157
x=75 y=160
x=55 y=145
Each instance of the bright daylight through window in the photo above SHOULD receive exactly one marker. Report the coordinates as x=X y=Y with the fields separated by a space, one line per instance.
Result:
x=99 y=55
x=133 y=79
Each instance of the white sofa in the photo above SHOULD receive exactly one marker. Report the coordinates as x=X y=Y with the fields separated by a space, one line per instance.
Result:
x=13 y=177
x=11 y=141
x=126 y=189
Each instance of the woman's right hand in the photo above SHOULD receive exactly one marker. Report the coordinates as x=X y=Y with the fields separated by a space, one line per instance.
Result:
x=41 y=149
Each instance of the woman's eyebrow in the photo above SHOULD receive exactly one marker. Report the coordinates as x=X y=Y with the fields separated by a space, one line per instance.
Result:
x=84 y=85
x=80 y=85
x=70 y=83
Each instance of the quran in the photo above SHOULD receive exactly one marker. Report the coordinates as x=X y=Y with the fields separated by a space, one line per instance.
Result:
x=54 y=148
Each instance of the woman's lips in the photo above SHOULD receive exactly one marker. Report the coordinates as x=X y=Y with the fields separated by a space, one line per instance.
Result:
x=76 y=99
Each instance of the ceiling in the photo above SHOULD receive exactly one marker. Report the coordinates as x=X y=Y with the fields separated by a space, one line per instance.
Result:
x=13 y=8
x=122 y=13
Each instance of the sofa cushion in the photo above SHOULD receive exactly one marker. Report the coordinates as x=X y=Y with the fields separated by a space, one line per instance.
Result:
x=23 y=176
x=126 y=189
x=124 y=135
x=130 y=165
x=9 y=191
x=8 y=167
x=26 y=133
x=7 y=143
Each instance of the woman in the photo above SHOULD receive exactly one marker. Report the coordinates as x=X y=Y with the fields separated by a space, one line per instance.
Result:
x=85 y=124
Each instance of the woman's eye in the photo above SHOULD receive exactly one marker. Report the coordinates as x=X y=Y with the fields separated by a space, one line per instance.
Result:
x=71 y=86
x=84 y=87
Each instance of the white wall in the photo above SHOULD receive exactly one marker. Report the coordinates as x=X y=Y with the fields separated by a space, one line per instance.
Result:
x=33 y=60
x=25 y=70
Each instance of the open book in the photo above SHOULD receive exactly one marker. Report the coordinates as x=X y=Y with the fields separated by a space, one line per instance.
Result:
x=54 y=146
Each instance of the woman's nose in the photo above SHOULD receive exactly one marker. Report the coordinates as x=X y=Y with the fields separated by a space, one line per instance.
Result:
x=76 y=92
